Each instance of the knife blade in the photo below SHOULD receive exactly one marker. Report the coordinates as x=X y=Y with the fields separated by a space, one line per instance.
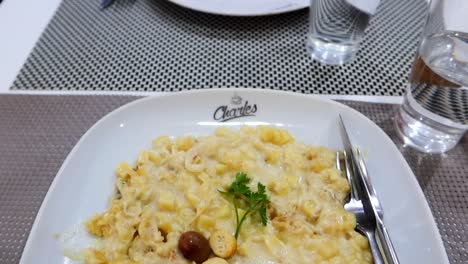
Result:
x=372 y=206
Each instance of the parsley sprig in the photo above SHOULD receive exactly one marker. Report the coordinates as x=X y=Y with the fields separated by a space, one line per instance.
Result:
x=243 y=197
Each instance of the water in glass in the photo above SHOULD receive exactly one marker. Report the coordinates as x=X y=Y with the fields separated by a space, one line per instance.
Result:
x=434 y=115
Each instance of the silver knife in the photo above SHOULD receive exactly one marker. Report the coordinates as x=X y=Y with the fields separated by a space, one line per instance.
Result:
x=372 y=207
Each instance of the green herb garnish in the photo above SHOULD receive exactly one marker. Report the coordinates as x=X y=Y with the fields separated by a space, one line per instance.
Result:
x=243 y=197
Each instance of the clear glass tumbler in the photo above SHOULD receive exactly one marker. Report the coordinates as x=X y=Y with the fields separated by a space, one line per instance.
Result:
x=336 y=28
x=434 y=115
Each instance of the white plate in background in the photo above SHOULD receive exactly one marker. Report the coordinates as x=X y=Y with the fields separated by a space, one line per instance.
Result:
x=85 y=181
x=243 y=7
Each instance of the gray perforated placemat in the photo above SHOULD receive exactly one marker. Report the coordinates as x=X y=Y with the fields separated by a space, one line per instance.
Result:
x=154 y=45
x=37 y=133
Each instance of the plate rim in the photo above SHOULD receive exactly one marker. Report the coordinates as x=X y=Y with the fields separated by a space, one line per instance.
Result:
x=314 y=97
x=292 y=8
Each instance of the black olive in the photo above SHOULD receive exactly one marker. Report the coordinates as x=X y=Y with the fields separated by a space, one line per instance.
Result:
x=194 y=246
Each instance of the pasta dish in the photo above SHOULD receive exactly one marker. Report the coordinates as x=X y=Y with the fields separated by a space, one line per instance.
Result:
x=183 y=200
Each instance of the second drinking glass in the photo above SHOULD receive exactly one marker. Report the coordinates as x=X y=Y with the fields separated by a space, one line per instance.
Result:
x=337 y=27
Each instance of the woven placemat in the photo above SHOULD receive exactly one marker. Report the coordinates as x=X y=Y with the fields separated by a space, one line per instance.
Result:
x=154 y=45
x=37 y=133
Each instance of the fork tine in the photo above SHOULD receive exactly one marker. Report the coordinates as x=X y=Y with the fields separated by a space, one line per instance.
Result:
x=338 y=161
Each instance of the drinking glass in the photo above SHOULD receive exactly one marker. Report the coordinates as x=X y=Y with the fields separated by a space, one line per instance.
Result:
x=434 y=115
x=336 y=28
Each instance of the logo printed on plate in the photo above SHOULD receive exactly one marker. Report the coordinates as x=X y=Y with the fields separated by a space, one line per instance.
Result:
x=236 y=109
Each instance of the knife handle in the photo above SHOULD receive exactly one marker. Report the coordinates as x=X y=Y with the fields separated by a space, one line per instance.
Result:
x=388 y=251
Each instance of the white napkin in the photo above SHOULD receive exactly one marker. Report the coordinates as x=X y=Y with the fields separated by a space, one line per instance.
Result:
x=366 y=6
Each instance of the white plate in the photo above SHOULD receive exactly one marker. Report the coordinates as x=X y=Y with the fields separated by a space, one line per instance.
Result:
x=84 y=183
x=243 y=7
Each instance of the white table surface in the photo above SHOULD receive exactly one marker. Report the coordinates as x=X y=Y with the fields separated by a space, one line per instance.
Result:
x=22 y=23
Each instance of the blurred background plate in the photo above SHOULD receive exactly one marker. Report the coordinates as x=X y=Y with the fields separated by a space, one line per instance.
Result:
x=243 y=7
